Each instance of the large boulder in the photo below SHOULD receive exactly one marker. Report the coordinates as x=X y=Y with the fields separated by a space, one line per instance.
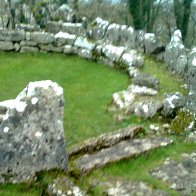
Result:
x=32 y=134
x=175 y=54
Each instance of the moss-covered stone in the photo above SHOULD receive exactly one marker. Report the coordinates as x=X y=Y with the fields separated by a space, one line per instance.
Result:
x=181 y=122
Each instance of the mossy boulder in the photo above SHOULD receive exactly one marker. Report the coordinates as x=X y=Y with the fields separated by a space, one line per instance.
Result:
x=183 y=122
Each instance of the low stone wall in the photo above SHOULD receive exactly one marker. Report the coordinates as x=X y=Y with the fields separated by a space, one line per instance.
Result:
x=113 y=44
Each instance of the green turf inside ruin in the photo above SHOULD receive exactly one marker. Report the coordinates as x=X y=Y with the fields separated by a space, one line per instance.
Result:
x=88 y=89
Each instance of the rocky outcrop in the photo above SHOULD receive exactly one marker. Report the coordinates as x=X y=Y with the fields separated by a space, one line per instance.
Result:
x=180 y=176
x=105 y=140
x=122 y=150
x=32 y=134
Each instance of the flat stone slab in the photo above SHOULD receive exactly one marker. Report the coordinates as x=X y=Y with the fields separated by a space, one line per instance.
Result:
x=133 y=188
x=105 y=140
x=180 y=176
x=123 y=150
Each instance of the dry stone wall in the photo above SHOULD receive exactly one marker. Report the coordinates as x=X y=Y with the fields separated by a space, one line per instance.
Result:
x=116 y=45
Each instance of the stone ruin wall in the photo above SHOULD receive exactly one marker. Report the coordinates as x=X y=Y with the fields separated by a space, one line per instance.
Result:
x=112 y=44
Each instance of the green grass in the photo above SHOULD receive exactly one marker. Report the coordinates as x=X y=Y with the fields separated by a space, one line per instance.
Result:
x=169 y=83
x=88 y=89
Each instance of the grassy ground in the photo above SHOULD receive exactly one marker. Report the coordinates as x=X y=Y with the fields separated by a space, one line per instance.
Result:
x=87 y=90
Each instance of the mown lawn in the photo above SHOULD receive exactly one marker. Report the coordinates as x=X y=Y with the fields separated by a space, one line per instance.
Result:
x=87 y=91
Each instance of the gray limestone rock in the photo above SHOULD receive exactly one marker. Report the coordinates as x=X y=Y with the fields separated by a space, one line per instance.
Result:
x=105 y=140
x=28 y=43
x=126 y=98
x=6 y=45
x=164 y=19
x=27 y=27
x=113 y=53
x=152 y=44
x=180 y=176
x=123 y=150
x=53 y=26
x=112 y=35
x=65 y=13
x=132 y=58
x=191 y=71
x=50 y=48
x=68 y=49
x=175 y=54
x=139 y=37
x=6 y=35
x=172 y=103
x=98 y=28
x=146 y=109
x=143 y=79
x=84 y=53
x=72 y=28
x=62 y=38
x=24 y=49
x=17 y=47
x=84 y=43
x=32 y=134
